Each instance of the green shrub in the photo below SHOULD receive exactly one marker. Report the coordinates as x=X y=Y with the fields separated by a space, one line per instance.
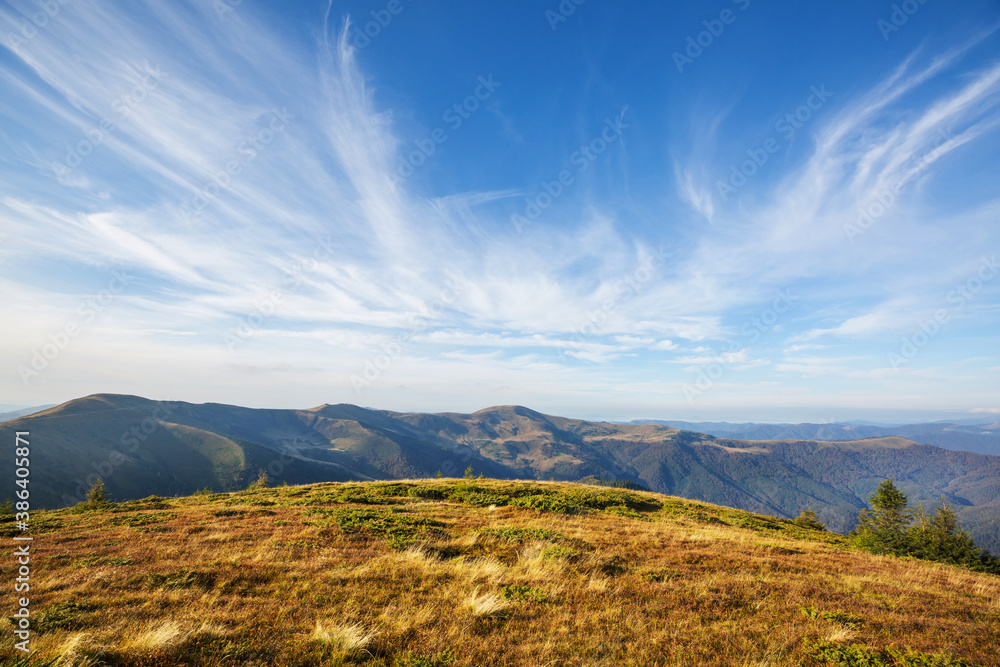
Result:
x=522 y=534
x=760 y=524
x=480 y=498
x=426 y=493
x=226 y=512
x=62 y=616
x=399 y=530
x=524 y=593
x=559 y=551
x=809 y=520
x=660 y=576
x=839 y=617
x=600 y=500
x=862 y=656
x=556 y=502
x=365 y=496
x=442 y=659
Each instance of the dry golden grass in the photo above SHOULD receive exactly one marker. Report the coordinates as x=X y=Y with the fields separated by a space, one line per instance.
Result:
x=343 y=639
x=485 y=605
x=270 y=578
x=157 y=636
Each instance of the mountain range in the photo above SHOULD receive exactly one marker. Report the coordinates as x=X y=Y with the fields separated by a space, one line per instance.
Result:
x=982 y=437
x=141 y=447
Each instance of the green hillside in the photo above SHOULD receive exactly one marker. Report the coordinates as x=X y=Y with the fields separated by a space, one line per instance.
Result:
x=140 y=447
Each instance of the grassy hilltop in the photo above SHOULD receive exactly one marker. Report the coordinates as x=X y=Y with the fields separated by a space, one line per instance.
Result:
x=141 y=447
x=481 y=572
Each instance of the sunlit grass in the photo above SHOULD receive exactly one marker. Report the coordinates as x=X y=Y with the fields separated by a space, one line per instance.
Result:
x=395 y=573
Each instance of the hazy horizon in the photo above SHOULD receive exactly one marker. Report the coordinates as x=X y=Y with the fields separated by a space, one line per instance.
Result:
x=760 y=416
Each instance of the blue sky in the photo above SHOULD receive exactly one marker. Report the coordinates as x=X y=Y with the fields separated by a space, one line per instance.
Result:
x=611 y=210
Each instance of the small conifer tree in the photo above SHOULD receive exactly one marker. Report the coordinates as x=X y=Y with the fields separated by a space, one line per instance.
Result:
x=261 y=482
x=809 y=519
x=882 y=529
x=97 y=495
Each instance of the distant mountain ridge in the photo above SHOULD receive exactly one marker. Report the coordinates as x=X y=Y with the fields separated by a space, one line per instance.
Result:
x=22 y=412
x=982 y=437
x=141 y=447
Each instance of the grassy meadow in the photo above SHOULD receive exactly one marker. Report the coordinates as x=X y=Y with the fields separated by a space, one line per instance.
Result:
x=480 y=572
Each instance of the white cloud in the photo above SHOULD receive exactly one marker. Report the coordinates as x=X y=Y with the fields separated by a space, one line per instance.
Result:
x=700 y=199
x=792 y=349
x=394 y=250
x=635 y=341
x=885 y=318
x=737 y=357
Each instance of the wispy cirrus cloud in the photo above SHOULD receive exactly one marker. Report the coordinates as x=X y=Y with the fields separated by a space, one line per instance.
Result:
x=321 y=176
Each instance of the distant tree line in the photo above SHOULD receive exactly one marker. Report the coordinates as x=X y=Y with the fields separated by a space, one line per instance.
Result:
x=891 y=526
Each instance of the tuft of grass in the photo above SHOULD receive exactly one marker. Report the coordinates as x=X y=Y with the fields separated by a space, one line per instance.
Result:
x=598 y=583
x=343 y=639
x=839 y=634
x=157 y=636
x=75 y=651
x=486 y=605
